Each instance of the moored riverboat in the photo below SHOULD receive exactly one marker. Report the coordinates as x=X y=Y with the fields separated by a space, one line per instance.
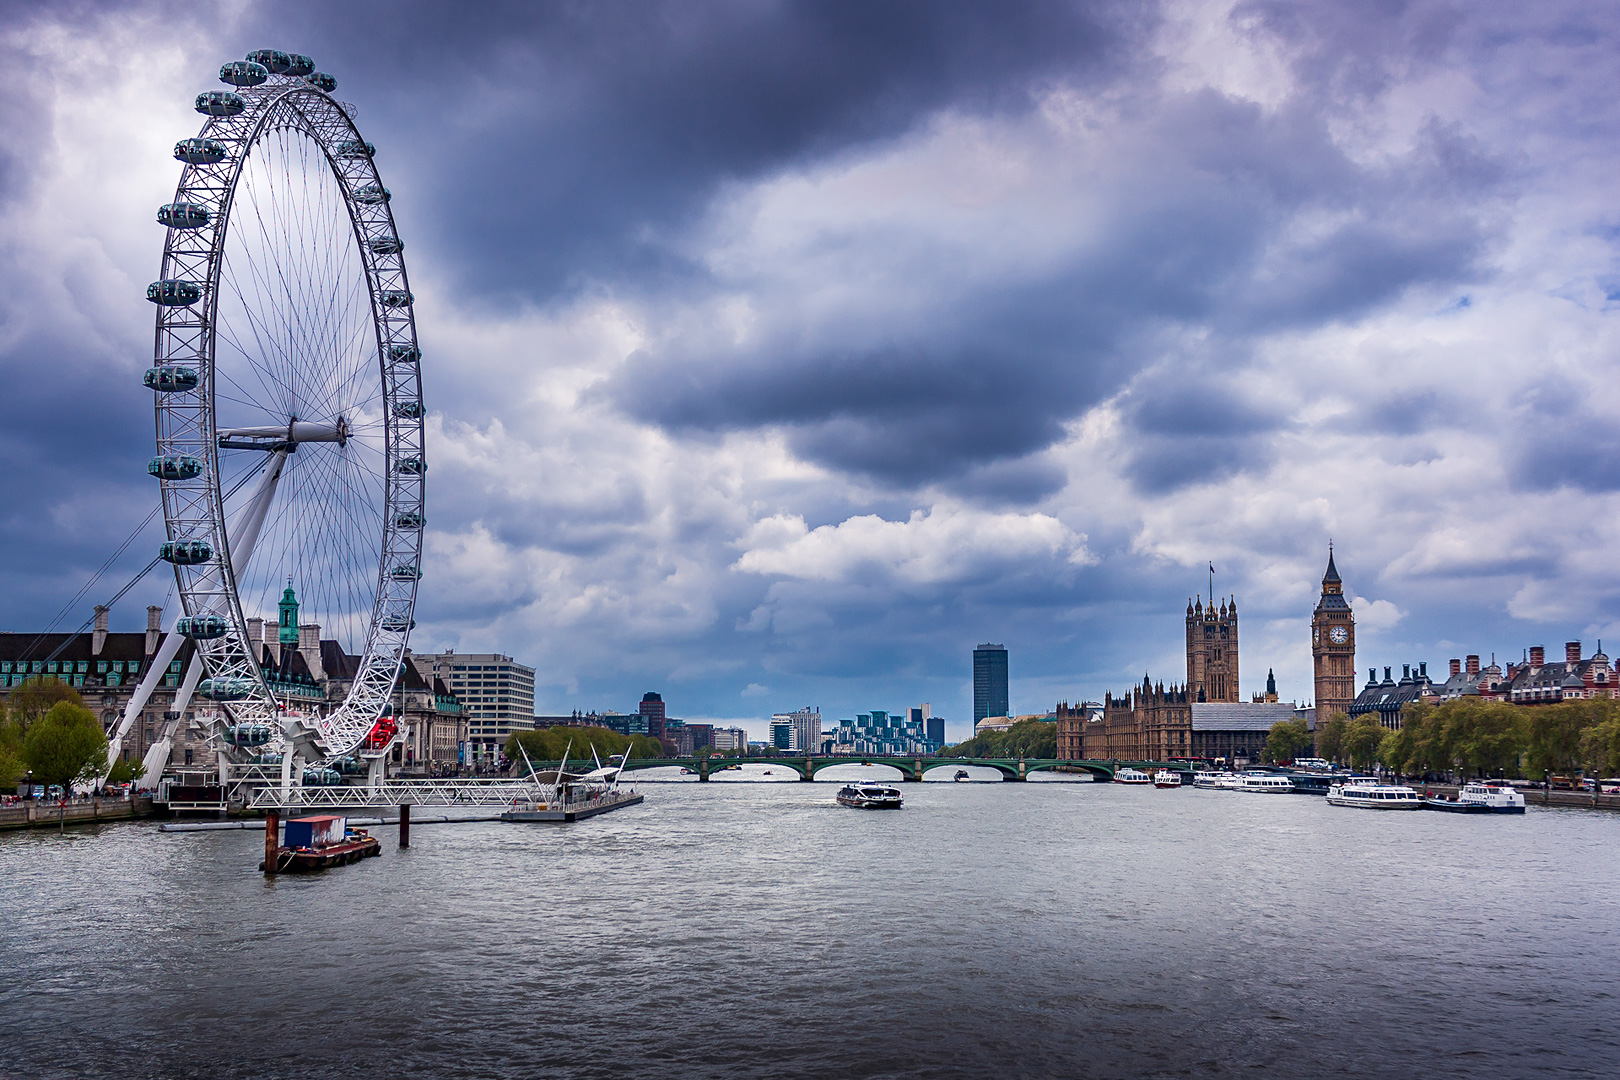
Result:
x=1131 y=776
x=1265 y=784
x=869 y=797
x=1479 y=797
x=573 y=797
x=1164 y=778
x=315 y=843
x=1362 y=794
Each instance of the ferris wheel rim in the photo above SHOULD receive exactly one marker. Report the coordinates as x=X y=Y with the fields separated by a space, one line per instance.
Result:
x=195 y=506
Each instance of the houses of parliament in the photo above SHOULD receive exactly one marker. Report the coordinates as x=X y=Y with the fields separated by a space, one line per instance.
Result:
x=1205 y=716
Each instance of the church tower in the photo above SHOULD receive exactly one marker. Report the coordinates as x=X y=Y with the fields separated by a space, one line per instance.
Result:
x=1333 y=647
x=1212 y=651
x=287 y=630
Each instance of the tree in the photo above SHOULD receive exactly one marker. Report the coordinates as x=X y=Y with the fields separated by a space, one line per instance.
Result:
x=1554 y=734
x=65 y=745
x=548 y=744
x=1286 y=739
x=1025 y=739
x=1396 y=749
x=1600 y=748
x=122 y=772
x=1330 y=739
x=1362 y=738
x=36 y=697
x=11 y=769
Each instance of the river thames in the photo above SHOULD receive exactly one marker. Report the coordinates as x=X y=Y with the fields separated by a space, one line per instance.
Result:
x=742 y=930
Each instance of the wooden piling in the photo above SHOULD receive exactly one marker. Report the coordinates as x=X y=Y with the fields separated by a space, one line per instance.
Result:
x=272 y=841
x=404 y=825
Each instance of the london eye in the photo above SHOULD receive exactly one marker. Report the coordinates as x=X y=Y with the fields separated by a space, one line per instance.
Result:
x=287 y=391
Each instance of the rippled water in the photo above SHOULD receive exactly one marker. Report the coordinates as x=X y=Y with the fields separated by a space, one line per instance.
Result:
x=720 y=930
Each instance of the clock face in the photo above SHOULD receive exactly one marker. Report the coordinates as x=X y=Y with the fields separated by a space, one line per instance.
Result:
x=1338 y=635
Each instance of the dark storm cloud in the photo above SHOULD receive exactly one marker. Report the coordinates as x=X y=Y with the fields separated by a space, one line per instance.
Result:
x=563 y=134
x=1203 y=229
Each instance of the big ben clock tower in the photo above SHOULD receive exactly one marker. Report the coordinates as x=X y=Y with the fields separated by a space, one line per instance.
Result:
x=1333 y=647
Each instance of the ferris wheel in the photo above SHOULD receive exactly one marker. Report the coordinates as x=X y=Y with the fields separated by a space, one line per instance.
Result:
x=287 y=389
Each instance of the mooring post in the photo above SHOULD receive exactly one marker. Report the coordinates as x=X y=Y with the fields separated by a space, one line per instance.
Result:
x=404 y=824
x=272 y=841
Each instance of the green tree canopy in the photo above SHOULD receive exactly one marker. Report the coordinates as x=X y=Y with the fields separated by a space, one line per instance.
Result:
x=1331 y=735
x=1286 y=739
x=65 y=745
x=1600 y=747
x=1363 y=737
x=1025 y=739
x=548 y=744
x=30 y=701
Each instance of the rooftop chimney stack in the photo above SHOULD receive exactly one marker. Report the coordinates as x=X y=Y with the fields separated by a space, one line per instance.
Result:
x=1473 y=665
x=1456 y=668
x=1572 y=652
x=1538 y=656
x=309 y=646
x=99 y=637
x=154 y=627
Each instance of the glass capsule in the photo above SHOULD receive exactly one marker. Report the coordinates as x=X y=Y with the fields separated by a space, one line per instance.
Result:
x=322 y=82
x=199 y=151
x=273 y=59
x=172 y=292
x=220 y=103
x=243 y=73
x=170 y=379
x=186 y=552
x=175 y=466
x=183 y=215
x=200 y=627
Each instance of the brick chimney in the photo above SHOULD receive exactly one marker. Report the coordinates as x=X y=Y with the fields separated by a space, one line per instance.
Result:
x=154 y=628
x=1538 y=656
x=1456 y=668
x=99 y=637
x=1572 y=652
x=1473 y=665
x=255 y=635
x=309 y=646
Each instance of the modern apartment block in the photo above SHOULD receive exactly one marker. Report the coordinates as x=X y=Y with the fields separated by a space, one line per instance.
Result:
x=802 y=728
x=496 y=693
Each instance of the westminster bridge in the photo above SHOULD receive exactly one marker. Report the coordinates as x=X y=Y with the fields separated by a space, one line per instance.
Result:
x=911 y=768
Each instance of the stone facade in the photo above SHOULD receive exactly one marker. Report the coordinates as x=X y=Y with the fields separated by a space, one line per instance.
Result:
x=1212 y=650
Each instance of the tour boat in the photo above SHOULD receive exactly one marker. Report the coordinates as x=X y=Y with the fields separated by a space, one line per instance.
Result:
x=869 y=797
x=1266 y=784
x=961 y=774
x=1480 y=797
x=1131 y=776
x=1366 y=794
x=1228 y=782
x=1207 y=779
x=1166 y=778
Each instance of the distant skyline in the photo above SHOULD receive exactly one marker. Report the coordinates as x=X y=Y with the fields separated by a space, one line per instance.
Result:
x=780 y=353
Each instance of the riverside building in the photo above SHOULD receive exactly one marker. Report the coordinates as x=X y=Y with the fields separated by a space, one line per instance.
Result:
x=496 y=692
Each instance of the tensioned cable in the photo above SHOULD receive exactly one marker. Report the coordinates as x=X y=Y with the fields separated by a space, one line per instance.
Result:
x=119 y=595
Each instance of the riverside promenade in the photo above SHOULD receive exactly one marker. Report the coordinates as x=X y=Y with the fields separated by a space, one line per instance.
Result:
x=39 y=814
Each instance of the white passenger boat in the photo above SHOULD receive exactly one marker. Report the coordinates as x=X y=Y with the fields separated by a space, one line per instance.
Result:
x=1371 y=795
x=1480 y=797
x=869 y=797
x=1166 y=778
x=1228 y=782
x=1131 y=776
x=1212 y=779
x=1266 y=784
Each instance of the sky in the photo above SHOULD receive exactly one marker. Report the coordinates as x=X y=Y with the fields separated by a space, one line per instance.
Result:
x=776 y=354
